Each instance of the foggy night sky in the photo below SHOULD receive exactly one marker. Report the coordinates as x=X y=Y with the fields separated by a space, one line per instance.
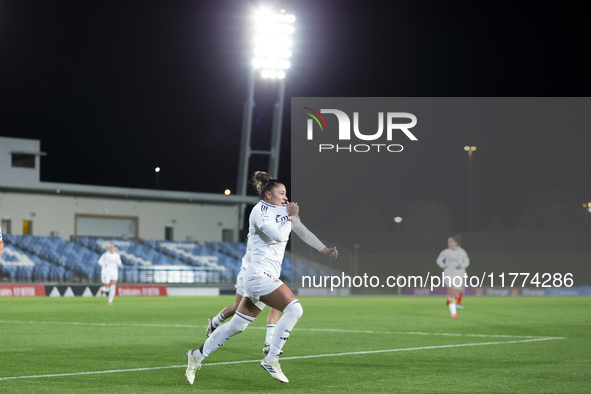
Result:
x=115 y=88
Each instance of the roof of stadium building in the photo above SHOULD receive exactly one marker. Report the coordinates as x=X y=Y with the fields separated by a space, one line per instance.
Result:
x=25 y=178
x=129 y=193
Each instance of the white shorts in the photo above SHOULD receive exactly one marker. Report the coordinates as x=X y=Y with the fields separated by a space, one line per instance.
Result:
x=457 y=278
x=258 y=283
x=108 y=275
x=240 y=282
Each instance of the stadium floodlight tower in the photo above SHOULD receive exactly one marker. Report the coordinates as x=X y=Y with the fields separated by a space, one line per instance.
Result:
x=271 y=53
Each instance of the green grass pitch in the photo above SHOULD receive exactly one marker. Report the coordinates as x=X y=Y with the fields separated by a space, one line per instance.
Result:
x=498 y=345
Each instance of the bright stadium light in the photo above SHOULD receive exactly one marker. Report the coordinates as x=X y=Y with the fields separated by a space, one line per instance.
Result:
x=472 y=148
x=272 y=41
x=398 y=219
x=157 y=169
x=227 y=192
x=466 y=148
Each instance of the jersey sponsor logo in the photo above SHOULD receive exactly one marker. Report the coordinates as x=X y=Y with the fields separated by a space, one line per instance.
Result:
x=281 y=218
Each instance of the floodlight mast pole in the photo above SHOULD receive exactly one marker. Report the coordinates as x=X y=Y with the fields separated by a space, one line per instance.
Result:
x=245 y=151
x=470 y=193
x=276 y=134
x=272 y=60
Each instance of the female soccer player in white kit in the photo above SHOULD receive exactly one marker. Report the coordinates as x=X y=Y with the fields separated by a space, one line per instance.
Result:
x=454 y=261
x=110 y=261
x=305 y=235
x=269 y=229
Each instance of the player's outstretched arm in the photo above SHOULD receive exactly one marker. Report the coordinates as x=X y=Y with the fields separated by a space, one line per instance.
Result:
x=312 y=240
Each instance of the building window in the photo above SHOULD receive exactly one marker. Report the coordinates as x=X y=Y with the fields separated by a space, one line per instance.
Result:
x=23 y=160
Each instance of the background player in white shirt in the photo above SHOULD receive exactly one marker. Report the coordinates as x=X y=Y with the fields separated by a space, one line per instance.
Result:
x=1 y=244
x=305 y=235
x=269 y=231
x=454 y=262
x=110 y=261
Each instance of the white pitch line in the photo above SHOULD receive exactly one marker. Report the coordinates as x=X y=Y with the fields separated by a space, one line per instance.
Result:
x=264 y=328
x=283 y=358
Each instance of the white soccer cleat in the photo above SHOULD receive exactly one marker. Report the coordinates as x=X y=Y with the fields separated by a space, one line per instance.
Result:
x=459 y=306
x=192 y=366
x=275 y=370
x=210 y=328
x=267 y=349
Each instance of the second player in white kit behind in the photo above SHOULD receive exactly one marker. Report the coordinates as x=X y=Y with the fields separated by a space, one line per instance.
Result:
x=110 y=261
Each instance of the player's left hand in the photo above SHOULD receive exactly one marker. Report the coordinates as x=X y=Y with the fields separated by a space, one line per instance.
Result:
x=331 y=252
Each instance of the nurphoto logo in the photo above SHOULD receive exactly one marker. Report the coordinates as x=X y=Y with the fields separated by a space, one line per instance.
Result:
x=344 y=130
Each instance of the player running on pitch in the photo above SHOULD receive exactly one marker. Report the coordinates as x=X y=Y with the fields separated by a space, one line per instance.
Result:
x=454 y=261
x=110 y=261
x=305 y=235
x=269 y=227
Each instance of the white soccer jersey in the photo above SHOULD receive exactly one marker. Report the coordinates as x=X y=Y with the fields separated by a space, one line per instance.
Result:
x=0 y=234
x=301 y=231
x=456 y=261
x=268 y=232
x=110 y=261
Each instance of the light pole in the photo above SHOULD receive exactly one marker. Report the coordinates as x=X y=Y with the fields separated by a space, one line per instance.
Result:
x=470 y=149
x=356 y=259
x=271 y=54
x=398 y=220
x=157 y=172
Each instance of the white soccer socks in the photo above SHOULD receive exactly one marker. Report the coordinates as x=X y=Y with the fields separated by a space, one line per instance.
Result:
x=270 y=332
x=452 y=309
x=221 y=335
x=291 y=315
x=218 y=320
x=111 y=293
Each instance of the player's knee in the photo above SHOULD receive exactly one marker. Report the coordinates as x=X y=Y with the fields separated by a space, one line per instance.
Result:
x=294 y=309
x=238 y=324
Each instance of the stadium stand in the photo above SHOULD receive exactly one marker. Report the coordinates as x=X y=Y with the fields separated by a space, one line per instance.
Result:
x=25 y=259
x=38 y=258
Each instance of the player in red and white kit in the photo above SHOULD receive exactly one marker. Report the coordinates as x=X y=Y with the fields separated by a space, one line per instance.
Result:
x=454 y=261
x=110 y=261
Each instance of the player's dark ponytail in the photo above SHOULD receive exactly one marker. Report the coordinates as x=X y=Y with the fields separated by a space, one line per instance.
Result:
x=263 y=183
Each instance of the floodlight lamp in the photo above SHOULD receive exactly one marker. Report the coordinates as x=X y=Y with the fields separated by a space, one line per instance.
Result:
x=473 y=148
x=157 y=169
x=280 y=75
x=265 y=73
x=287 y=53
x=289 y=18
x=398 y=219
x=273 y=74
x=466 y=148
x=227 y=192
x=282 y=11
